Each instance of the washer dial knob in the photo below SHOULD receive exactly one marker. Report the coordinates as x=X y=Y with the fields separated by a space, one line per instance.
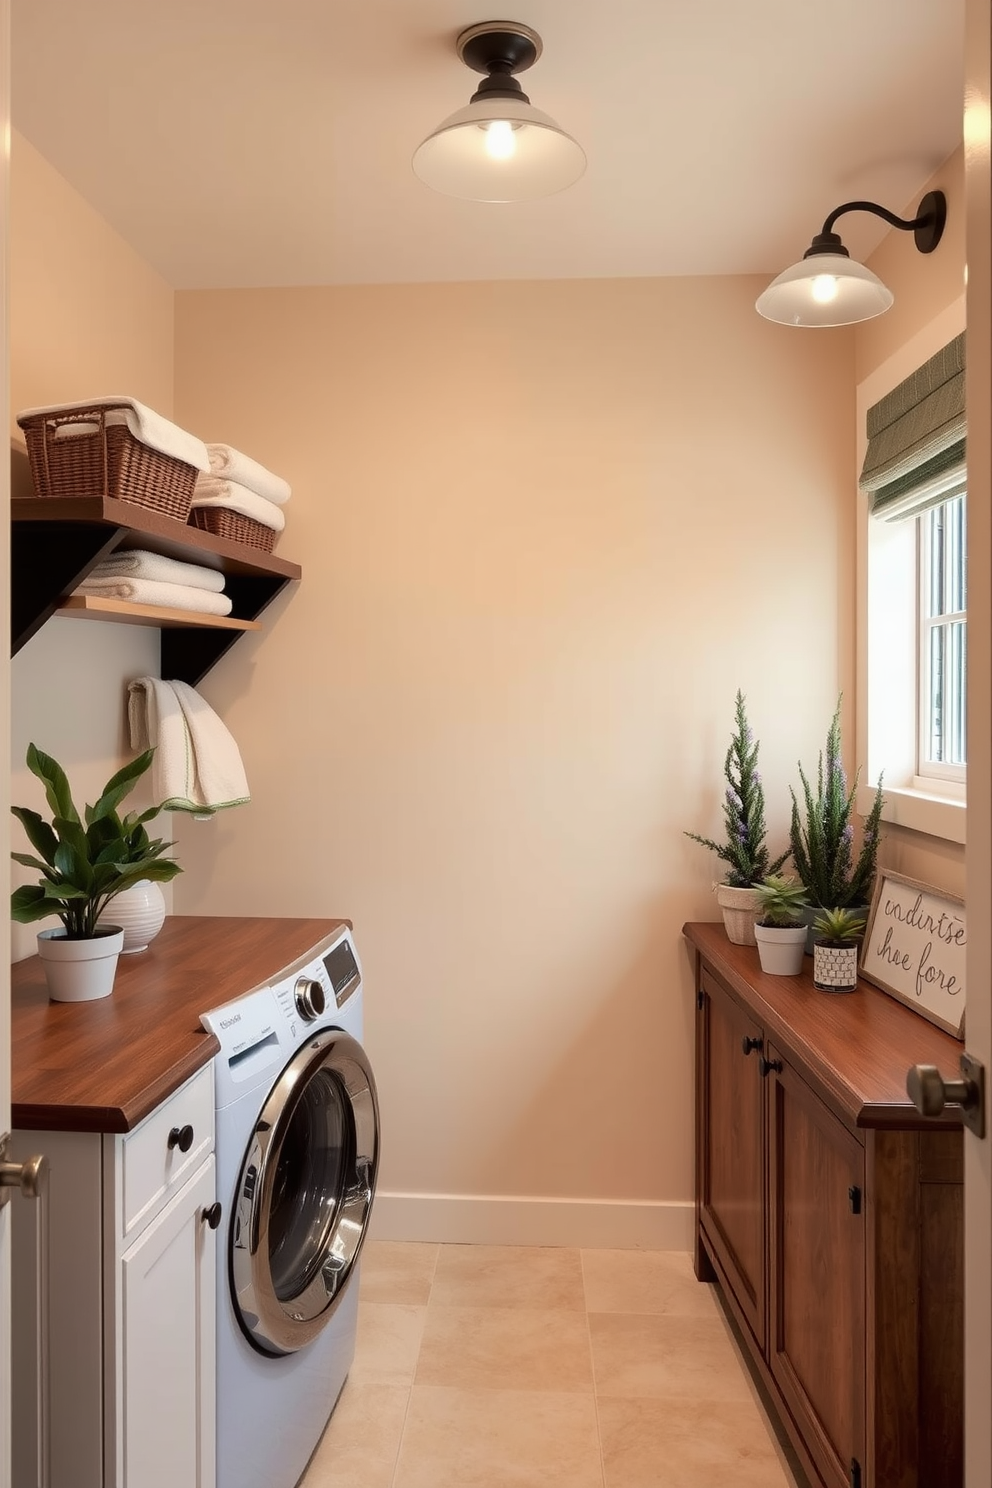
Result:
x=310 y=1002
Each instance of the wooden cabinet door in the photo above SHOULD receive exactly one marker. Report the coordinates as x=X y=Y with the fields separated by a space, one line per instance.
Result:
x=731 y=1137
x=168 y=1346
x=817 y=1339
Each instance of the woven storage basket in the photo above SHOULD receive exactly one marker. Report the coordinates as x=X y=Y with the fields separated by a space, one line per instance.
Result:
x=105 y=460
x=223 y=522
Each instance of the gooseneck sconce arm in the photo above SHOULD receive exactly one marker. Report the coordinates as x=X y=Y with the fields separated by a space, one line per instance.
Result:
x=828 y=287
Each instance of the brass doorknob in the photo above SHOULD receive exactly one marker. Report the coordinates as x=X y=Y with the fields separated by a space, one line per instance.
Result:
x=28 y=1176
x=931 y=1094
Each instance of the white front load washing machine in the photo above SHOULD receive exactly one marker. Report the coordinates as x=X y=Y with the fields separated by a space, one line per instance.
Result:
x=297 y=1148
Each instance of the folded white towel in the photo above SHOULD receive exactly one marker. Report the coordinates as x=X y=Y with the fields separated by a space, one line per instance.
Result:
x=231 y=464
x=137 y=563
x=145 y=424
x=197 y=766
x=148 y=592
x=210 y=491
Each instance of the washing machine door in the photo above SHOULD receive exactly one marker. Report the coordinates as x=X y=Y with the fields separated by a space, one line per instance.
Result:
x=305 y=1193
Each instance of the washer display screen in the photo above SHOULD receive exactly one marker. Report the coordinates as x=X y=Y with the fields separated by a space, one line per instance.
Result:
x=341 y=965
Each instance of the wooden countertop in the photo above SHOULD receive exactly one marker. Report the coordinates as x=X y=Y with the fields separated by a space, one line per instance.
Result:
x=102 y=1066
x=858 y=1046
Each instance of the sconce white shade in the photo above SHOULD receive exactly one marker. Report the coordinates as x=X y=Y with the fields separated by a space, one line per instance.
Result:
x=826 y=289
x=534 y=158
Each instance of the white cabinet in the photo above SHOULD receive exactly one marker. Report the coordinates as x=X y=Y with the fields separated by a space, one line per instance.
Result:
x=125 y=1396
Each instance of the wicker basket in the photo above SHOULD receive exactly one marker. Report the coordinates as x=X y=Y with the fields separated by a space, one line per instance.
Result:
x=223 y=522
x=104 y=459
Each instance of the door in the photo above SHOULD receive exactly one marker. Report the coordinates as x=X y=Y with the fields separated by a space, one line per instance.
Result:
x=731 y=1148
x=168 y=1291
x=817 y=1285
x=305 y=1194
x=4 y=739
x=978 y=1154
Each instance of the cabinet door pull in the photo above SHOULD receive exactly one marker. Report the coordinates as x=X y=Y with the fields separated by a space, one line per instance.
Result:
x=855 y=1473
x=211 y=1216
x=767 y=1065
x=747 y=1044
x=854 y=1194
x=181 y=1137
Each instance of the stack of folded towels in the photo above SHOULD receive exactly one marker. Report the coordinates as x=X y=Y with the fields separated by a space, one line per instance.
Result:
x=238 y=482
x=150 y=579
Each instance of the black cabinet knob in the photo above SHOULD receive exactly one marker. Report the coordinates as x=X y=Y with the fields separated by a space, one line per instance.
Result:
x=748 y=1044
x=181 y=1137
x=211 y=1216
x=767 y=1065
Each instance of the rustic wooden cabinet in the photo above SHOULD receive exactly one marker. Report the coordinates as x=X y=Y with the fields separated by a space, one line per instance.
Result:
x=831 y=1213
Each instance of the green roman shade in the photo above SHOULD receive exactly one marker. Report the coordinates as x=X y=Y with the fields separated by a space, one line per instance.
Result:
x=916 y=439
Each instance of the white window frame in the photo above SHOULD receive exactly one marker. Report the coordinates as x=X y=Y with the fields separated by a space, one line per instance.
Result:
x=887 y=580
x=929 y=771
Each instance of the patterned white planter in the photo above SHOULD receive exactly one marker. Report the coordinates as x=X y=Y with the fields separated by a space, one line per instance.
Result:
x=835 y=966
x=140 y=911
x=739 y=906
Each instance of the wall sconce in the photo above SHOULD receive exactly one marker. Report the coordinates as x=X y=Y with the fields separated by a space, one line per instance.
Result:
x=499 y=148
x=828 y=287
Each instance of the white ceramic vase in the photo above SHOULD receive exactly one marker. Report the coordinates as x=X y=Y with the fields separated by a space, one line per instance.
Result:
x=781 y=948
x=739 y=907
x=80 y=970
x=140 y=911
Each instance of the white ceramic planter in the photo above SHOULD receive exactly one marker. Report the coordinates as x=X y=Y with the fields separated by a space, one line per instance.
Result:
x=140 y=911
x=80 y=970
x=781 y=948
x=739 y=908
x=835 y=966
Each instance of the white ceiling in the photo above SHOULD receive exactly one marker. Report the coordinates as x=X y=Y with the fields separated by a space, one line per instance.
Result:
x=268 y=142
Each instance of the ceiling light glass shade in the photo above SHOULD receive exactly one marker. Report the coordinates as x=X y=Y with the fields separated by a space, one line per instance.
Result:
x=466 y=157
x=826 y=289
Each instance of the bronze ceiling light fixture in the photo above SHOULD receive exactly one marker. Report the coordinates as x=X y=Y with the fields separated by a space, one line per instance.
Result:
x=499 y=148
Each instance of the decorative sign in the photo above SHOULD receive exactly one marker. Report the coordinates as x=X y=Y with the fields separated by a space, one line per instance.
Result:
x=914 y=949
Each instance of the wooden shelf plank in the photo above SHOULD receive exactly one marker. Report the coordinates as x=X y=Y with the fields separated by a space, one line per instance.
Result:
x=92 y=607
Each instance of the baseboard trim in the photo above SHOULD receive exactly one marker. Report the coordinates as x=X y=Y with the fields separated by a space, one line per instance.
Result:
x=497 y=1219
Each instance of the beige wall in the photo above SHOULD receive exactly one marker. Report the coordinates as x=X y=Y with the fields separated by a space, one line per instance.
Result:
x=546 y=531
x=929 y=311
x=87 y=317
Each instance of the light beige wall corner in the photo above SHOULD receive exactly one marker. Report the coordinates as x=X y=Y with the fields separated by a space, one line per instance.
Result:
x=929 y=311
x=87 y=317
x=546 y=531
x=924 y=284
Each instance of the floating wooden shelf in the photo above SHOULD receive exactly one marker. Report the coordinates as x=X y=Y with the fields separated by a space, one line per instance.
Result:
x=56 y=542
x=92 y=607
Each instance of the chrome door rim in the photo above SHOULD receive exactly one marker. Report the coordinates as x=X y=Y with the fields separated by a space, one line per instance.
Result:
x=276 y=1326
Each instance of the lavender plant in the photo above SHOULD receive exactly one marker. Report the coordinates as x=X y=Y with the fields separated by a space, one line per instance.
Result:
x=745 y=851
x=822 y=844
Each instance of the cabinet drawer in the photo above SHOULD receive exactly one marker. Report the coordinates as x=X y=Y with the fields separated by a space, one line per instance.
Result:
x=152 y=1170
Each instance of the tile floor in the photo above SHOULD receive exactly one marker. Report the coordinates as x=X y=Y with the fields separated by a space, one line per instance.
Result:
x=499 y=1367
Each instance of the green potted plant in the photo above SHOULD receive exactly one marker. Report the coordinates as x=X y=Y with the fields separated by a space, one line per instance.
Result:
x=84 y=864
x=821 y=836
x=837 y=936
x=780 y=925
x=744 y=851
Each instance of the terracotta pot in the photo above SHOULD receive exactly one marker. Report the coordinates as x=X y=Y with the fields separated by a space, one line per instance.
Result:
x=739 y=908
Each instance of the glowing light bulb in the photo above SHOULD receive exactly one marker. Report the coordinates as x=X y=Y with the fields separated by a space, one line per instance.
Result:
x=824 y=288
x=500 y=144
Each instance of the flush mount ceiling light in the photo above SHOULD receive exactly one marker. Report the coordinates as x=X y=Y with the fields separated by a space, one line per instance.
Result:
x=828 y=287
x=499 y=148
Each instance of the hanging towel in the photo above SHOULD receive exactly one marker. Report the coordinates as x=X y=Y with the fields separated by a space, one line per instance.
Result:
x=148 y=592
x=231 y=464
x=210 y=491
x=137 y=563
x=197 y=766
x=144 y=423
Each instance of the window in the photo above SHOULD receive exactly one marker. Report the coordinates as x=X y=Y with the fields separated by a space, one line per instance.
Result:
x=914 y=476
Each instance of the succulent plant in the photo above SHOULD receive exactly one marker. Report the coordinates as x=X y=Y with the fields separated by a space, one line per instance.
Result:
x=781 y=901
x=840 y=925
